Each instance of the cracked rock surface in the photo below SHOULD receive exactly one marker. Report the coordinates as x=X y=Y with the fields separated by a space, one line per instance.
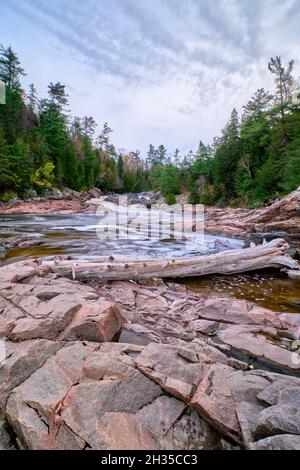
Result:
x=188 y=372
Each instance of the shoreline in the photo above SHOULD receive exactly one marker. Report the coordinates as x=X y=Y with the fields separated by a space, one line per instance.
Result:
x=279 y=220
x=166 y=354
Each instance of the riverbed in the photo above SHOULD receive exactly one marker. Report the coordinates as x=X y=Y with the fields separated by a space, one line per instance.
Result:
x=79 y=236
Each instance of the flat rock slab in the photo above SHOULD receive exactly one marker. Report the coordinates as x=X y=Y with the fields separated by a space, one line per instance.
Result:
x=65 y=383
x=219 y=392
x=76 y=395
x=275 y=392
x=281 y=442
x=277 y=419
x=44 y=308
x=256 y=342
x=229 y=400
x=160 y=415
x=83 y=396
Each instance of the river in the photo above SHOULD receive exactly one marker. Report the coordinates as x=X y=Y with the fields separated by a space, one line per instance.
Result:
x=76 y=236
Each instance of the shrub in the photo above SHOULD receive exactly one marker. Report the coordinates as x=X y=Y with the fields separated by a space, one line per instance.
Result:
x=7 y=196
x=170 y=199
x=209 y=195
x=44 y=176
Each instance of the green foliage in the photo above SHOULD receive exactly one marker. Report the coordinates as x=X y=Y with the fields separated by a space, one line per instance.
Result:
x=170 y=199
x=168 y=180
x=209 y=195
x=194 y=193
x=200 y=173
x=7 y=196
x=21 y=165
x=128 y=182
x=292 y=169
x=256 y=158
x=227 y=156
x=70 y=171
x=43 y=177
x=7 y=178
x=89 y=162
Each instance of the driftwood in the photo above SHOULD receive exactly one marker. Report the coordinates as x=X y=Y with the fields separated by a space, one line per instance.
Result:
x=269 y=255
x=295 y=275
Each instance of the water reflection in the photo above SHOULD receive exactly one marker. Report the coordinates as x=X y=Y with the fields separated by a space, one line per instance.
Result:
x=269 y=288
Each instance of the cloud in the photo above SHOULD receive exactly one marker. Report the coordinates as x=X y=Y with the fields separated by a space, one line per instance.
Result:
x=162 y=70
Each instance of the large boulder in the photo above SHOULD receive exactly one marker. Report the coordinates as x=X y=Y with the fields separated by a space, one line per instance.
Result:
x=219 y=392
x=281 y=442
x=86 y=396
x=43 y=308
x=277 y=419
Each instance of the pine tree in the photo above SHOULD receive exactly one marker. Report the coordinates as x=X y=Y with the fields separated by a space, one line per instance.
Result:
x=150 y=155
x=161 y=155
x=7 y=178
x=21 y=165
x=285 y=83
x=226 y=158
x=11 y=113
x=120 y=166
x=10 y=69
x=89 y=162
x=70 y=169
x=259 y=103
x=58 y=96
x=53 y=127
x=88 y=126
x=103 y=139
x=32 y=98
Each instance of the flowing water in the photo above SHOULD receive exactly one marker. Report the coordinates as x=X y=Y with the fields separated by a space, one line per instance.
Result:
x=76 y=236
x=80 y=236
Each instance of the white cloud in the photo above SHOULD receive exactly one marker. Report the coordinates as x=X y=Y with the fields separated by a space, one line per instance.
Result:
x=159 y=71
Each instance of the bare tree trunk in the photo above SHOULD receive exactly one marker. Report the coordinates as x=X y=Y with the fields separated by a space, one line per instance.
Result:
x=270 y=255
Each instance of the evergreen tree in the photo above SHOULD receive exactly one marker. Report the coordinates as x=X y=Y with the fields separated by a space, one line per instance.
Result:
x=11 y=113
x=88 y=126
x=120 y=166
x=103 y=139
x=71 y=177
x=176 y=157
x=7 y=178
x=32 y=98
x=226 y=158
x=284 y=82
x=21 y=165
x=58 y=96
x=10 y=68
x=161 y=155
x=89 y=162
x=252 y=161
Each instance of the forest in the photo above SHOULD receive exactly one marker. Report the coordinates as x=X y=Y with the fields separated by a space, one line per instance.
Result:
x=254 y=160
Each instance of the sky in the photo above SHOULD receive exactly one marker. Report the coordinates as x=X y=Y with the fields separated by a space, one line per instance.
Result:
x=158 y=71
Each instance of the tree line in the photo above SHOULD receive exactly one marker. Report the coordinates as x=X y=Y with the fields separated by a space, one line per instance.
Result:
x=256 y=158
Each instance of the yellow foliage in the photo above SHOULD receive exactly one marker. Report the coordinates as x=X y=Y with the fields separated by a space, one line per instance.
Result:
x=44 y=176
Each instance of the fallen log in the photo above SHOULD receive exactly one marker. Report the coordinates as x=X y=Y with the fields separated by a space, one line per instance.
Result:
x=295 y=275
x=274 y=254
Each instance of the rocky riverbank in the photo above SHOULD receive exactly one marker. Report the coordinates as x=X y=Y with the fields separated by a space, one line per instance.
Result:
x=125 y=365
x=55 y=202
x=279 y=220
x=130 y=366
